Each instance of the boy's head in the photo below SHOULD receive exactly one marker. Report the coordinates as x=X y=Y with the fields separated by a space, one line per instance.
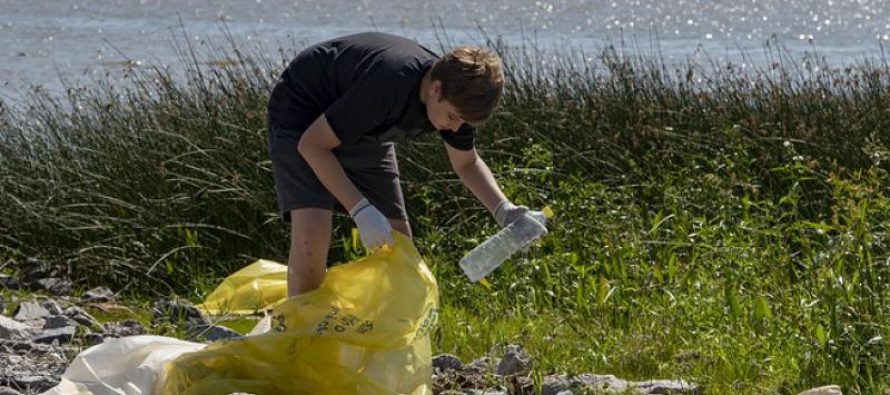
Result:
x=466 y=85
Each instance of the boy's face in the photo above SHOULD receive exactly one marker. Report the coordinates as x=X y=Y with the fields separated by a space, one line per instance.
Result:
x=441 y=113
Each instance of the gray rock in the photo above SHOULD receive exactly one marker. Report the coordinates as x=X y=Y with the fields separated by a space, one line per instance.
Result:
x=8 y=282
x=178 y=311
x=51 y=306
x=481 y=366
x=516 y=362
x=82 y=317
x=124 y=328
x=554 y=385
x=446 y=362
x=59 y=321
x=12 y=329
x=8 y=391
x=34 y=383
x=28 y=311
x=673 y=387
x=93 y=339
x=60 y=335
x=55 y=285
x=599 y=382
x=36 y=324
x=825 y=390
x=98 y=295
x=213 y=333
x=26 y=348
x=487 y=391
x=608 y=384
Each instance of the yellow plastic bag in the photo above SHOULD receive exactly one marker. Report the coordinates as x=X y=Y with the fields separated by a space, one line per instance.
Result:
x=257 y=287
x=364 y=331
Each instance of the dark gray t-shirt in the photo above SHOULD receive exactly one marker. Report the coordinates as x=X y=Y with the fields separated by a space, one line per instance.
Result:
x=368 y=87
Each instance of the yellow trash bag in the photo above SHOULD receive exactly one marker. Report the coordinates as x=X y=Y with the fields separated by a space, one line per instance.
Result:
x=257 y=287
x=364 y=331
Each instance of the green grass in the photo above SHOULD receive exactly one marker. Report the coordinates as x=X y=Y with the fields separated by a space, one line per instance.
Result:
x=719 y=226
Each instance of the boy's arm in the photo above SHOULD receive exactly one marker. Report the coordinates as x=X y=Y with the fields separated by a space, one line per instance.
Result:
x=315 y=146
x=477 y=177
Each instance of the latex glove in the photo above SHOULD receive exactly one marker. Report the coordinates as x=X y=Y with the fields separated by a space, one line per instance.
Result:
x=373 y=228
x=505 y=213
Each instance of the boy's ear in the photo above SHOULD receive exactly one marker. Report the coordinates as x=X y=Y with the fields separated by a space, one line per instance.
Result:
x=435 y=89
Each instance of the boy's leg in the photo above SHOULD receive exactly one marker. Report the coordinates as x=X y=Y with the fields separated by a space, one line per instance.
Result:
x=310 y=239
x=375 y=172
x=401 y=225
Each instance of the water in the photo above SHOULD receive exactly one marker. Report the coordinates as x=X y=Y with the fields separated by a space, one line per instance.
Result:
x=45 y=42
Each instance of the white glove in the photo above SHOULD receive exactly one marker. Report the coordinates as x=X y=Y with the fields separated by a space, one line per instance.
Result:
x=506 y=212
x=373 y=228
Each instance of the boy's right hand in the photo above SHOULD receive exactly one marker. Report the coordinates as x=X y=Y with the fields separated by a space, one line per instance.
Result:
x=373 y=227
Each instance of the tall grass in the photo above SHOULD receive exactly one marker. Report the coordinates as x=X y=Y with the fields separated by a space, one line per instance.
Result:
x=718 y=224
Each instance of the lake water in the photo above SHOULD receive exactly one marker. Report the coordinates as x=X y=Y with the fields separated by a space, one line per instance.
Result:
x=45 y=42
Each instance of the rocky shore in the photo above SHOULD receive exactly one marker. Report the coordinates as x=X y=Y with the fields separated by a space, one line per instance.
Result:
x=42 y=334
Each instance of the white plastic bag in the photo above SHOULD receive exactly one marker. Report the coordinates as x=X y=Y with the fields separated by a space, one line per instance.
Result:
x=126 y=366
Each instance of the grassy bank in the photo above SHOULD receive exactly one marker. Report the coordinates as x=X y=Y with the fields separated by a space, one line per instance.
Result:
x=720 y=225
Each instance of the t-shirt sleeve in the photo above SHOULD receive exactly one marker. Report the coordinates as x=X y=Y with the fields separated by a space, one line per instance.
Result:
x=463 y=139
x=365 y=106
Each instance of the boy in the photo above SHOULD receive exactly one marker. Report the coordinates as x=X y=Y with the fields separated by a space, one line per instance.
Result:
x=334 y=116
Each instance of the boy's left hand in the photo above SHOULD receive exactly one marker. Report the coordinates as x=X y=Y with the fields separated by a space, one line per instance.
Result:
x=506 y=213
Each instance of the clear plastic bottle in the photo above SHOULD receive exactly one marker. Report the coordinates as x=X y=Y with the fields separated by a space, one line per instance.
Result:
x=520 y=234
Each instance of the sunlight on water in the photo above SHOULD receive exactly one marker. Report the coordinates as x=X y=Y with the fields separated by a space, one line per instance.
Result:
x=42 y=41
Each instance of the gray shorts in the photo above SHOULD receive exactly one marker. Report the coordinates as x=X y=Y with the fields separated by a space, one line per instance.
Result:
x=372 y=168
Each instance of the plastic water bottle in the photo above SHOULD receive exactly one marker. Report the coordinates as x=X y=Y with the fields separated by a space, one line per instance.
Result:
x=520 y=234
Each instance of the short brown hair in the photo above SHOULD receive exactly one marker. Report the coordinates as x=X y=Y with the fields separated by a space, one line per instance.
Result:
x=472 y=80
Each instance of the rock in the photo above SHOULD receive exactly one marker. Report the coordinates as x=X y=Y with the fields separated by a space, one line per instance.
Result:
x=446 y=362
x=55 y=285
x=93 y=339
x=554 y=385
x=30 y=367
x=8 y=282
x=8 y=391
x=29 y=311
x=82 y=317
x=487 y=391
x=60 y=335
x=585 y=383
x=124 y=328
x=12 y=329
x=481 y=366
x=36 y=324
x=213 y=333
x=51 y=306
x=599 y=382
x=178 y=311
x=59 y=321
x=516 y=362
x=35 y=269
x=826 y=390
x=673 y=387
x=98 y=295
x=34 y=383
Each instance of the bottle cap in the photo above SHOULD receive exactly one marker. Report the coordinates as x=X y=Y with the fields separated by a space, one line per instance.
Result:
x=548 y=212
